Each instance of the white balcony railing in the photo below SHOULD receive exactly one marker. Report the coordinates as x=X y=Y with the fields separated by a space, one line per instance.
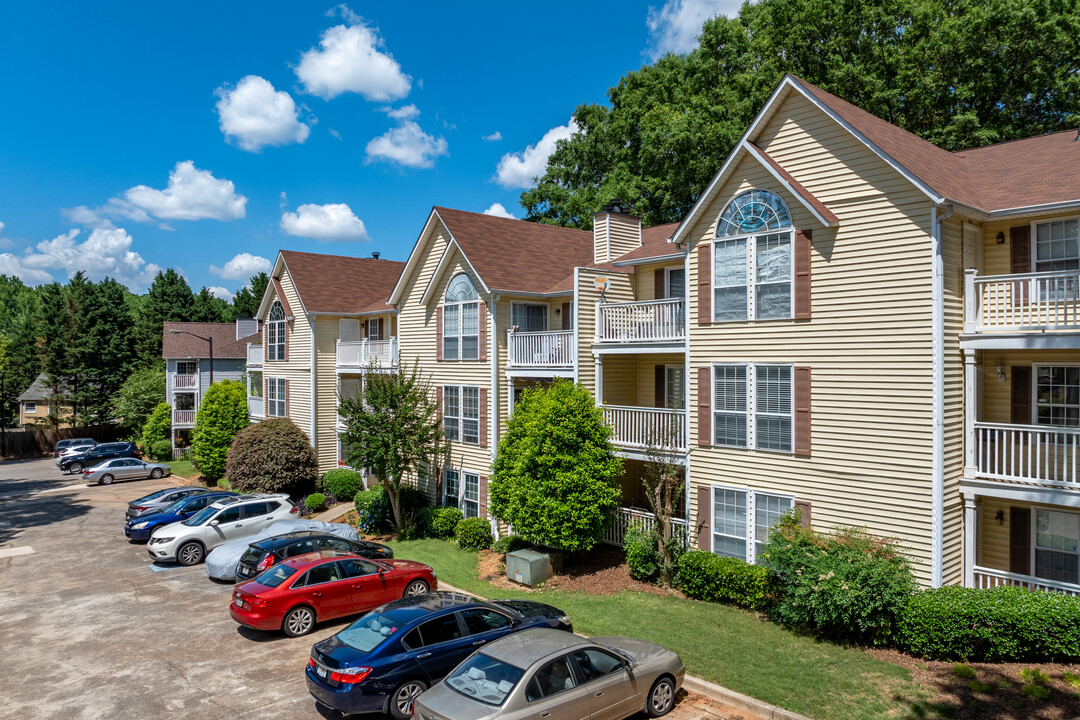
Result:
x=382 y=354
x=180 y=453
x=990 y=578
x=550 y=349
x=184 y=381
x=1025 y=301
x=254 y=355
x=642 y=427
x=255 y=407
x=183 y=417
x=641 y=322
x=1029 y=453
x=626 y=518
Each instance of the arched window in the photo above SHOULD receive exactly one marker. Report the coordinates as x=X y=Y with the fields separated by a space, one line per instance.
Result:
x=461 y=319
x=275 y=333
x=752 y=259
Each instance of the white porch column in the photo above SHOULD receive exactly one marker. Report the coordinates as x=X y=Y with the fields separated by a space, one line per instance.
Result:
x=509 y=397
x=971 y=370
x=970 y=523
x=599 y=366
x=972 y=303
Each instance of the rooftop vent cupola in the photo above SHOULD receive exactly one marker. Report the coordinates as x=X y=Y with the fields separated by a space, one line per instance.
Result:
x=375 y=255
x=615 y=231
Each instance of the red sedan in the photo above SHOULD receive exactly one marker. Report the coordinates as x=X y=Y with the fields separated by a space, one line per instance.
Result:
x=305 y=589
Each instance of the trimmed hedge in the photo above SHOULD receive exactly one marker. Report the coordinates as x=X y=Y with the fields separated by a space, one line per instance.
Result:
x=705 y=576
x=642 y=557
x=315 y=502
x=1004 y=624
x=342 y=483
x=444 y=522
x=473 y=534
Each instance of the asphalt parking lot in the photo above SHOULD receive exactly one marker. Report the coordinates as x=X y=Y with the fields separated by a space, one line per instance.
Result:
x=90 y=629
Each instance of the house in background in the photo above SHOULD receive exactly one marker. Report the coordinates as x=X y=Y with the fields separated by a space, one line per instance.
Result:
x=187 y=366
x=37 y=402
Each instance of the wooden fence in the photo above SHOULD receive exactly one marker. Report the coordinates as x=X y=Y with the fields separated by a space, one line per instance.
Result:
x=32 y=441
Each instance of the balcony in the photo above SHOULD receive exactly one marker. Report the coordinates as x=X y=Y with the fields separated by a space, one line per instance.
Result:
x=539 y=350
x=255 y=407
x=639 y=428
x=184 y=381
x=989 y=578
x=254 y=356
x=651 y=321
x=1025 y=302
x=363 y=354
x=183 y=417
x=1027 y=453
x=628 y=517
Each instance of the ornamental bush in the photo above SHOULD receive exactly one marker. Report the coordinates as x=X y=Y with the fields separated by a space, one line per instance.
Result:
x=342 y=483
x=642 y=555
x=373 y=508
x=272 y=456
x=222 y=413
x=444 y=522
x=160 y=450
x=1003 y=624
x=315 y=502
x=705 y=576
x=157 y=427
x=473 y=534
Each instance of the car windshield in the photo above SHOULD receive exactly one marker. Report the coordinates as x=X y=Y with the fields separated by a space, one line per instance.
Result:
x=151 y=496
x=484 y=679
x=272 y=577
x=175 y=507
x=367 y=632
x=202 y=516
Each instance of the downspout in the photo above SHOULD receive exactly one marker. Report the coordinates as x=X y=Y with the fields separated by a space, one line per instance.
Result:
x=937 y=299
x=494 y=403
x=577 y=331
x=686 y=390
x=314 y=440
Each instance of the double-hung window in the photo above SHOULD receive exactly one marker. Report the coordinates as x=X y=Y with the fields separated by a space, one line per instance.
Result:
x=1056 y=249
x=461 y=413
x=275 y=333
x=753 y=406
x=275 y=397
x=462 y=490
x=1057 y=546
x=529 y=317
x=1057 y=395
x=186 y=367
x=31 y=407
x=753 y=259
x=743 y=519
x=461 y=319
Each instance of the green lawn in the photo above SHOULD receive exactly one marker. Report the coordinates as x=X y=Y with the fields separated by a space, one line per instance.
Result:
x=183 y=468
x=728 y=646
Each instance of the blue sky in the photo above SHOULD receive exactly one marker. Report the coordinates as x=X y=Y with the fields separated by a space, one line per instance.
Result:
x=207 y=136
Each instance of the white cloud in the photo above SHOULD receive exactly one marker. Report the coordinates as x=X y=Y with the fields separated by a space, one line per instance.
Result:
x=675 y=26
x=220 y=292
x=349 y=60
x=406 y=144
x=242 y=267
x=106 y=252
x=498 y=210
x=517 y=170
x=493 y=137
x=408 y=112
x=253 y=115
x=192 y=194
x=333 y=222
x=4 y=242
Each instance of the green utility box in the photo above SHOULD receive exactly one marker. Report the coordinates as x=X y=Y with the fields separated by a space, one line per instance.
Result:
x=531 y=568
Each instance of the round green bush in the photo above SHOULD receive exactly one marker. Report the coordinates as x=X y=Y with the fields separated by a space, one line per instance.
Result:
x=342 y=483
x=157 y=426
x=444 y=522
x=473 y=534
x=705 y=576
x=642 y=557
x=161 y=450
x=373 y=507
x=223 y=412
x=272 y=456
x=315 y=502
x=510 y=543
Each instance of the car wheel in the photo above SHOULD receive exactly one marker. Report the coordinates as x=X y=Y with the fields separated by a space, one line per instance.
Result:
x=661 y=698
x=75 y=468
x=106 y=480
x=401 y=701
x=189 y=553
x=416 y=587
x=299 y=621
x=155 y=473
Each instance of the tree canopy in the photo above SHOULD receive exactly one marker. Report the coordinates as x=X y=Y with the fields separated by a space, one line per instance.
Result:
x=222 y=413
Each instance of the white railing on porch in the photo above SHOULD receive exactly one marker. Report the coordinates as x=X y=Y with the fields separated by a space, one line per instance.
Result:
x=180 y=453
x=643 y=427
x=990 y=578
x=183 y=417
x=363 y=353
x=628 y=517
x=1023 y=301
x=184 y=381
x=255 y=406
x=254 y=355
x=549 y=349
x=637 y=322
x=1031 y=453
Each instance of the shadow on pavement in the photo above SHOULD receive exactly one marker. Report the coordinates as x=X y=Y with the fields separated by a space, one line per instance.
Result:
x=35 y=511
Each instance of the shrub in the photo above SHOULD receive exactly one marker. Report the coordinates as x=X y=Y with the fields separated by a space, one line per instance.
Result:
x=315 y=502
x=222 y=413
x=160 y=450
x=444 y=522
x=705 y=576
x=509 y=543
x=963 y=671
x=411 y=500
x=642 y=556
x=272 y=456
x=473 y=534
x=849 y=586
x=1003 y=624
x=157 y=426
x=342 y=483
x=223 y=483
x=373 y=507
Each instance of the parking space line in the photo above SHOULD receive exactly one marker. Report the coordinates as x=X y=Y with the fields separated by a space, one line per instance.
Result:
x=15 y=551
x=158 y=568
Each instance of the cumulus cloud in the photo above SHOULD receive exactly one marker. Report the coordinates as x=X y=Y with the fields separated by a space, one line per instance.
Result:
x=517 y=170
x=253 y=115
x=349 y=59
x=407 y=144
x=223 y=293
x=498 y=210
x=4 y=242
x=407 y=112
x=242 y=267
x=333 y=222
x=105 y=253
x=675 y=26
x=493 y=137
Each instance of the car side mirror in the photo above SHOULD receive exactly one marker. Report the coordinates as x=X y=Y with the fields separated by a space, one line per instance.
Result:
x=214 y=523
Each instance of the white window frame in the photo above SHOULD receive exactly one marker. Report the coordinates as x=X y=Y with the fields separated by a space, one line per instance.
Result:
x=667 y=282
x=751 y=406
x=373 y=323
x=255 y=383
x=1035 y=548
x=276 y=397
x=459 y=331
x=547 y=313
x=751 y=538
x=194 y=364
x=751 y=273
x=1034 y=235
x=30 y=406
x=275 y=334
x=1035 y=391
x=463 y=479
x=459 y=435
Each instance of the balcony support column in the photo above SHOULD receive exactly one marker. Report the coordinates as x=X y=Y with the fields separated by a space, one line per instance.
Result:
x=972 y=303
x=971 y=372
x=509 y=397
x=970 y=524
x=599 y=365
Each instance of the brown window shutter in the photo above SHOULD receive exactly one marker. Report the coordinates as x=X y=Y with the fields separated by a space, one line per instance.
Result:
x=482 y=340
x=438 y=401
x=266 y=396
x=483 y=417
x=483 y=512
x=658 y=391
x=438 y=333
x=1020 y=540
x=567 y=316
x=803 y=506
x=704 y=518
x=288 y=328
x=378 y=329
x=704 y=283
x=803 y=242
x=704 y=406
x=658 y=284
x=1020 y=412
x=801 y=429
x=1020 y=260
x=286 y=398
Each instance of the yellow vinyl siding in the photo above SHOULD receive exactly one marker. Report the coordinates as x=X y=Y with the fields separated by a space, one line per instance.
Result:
x=619 y=289
x=953 y=275
x=646 y=277
x=993 y=545
x=326 y=335
x=297 y=369
x=996 y=400
x=631 y=379
x=996 y=257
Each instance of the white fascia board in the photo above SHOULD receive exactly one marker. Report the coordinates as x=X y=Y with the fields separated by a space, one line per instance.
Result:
x=414 y=258
x=539 y=295
x=1066 y=497
x=264 y=304
x=1035 y=209
x=444 y=262
x=366 y=313
x=786 y=185
x=648 y=260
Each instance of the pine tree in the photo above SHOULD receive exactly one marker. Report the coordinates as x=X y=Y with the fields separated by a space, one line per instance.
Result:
x=169 y=299
x=247 y=299
x=208 y=308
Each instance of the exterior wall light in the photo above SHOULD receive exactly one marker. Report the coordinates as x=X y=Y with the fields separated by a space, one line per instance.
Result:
x=1000 y=367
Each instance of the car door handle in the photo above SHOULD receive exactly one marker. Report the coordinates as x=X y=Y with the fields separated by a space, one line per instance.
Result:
x=357 y=587
x=316 y=594
x=545 y=714
x=479 y=642
x=600 y=694
x=423 y=655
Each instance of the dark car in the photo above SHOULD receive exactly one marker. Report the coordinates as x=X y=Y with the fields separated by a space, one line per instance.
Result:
x=142 y=526
x=389 y=656
x=160 y=500
x=99 y=453
x=270 y=551
x=71 y=442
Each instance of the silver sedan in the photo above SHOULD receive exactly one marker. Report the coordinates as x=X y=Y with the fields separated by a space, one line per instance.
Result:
x=124 y=469
x=554 y=675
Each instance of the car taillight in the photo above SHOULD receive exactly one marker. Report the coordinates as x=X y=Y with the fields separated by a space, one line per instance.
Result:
x=87 y=472
x=265 y=562
x=295 y=510
x=257 y=602
x=350 y=676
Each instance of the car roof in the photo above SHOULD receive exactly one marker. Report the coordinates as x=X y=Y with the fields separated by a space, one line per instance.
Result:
x=416 y=607
x=524 y=648
x=247 y=498
x=303 y=562
x=279 y=541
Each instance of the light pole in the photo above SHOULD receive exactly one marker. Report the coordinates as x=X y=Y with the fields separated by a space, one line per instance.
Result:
x=207 y=339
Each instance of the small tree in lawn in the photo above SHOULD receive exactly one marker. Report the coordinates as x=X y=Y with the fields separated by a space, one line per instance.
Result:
x=157 y=426
x=663 y=481
x=138 y=397
x=394 y=427
x=222 y=413
x=554 y=475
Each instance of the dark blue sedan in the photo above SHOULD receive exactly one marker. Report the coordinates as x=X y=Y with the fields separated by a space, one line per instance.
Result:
x=143 y=526
x=384 y=660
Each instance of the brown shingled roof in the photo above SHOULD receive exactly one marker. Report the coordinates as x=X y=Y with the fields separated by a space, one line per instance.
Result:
x=805 y=194
x=187 y=346
x=654 y=243
x=341 y=284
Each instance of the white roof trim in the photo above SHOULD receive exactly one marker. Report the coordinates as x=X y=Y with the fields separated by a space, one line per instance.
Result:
x=1035 y=209
x=414 y=257
x=653 y=259
x=750 y=148
x=264 y=304
x=444 y=262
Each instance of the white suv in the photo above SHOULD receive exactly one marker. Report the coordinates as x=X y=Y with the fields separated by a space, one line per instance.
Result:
x=231 y=518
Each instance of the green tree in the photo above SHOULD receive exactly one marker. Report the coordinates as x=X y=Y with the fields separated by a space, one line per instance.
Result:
x=168 y=299
x=157 y=427
x=105 y=354
x=247 y=299
x=555 y=471
x=393 y=426
x=272 y=456
x=222 y=413
x=663 y=480
x=139 y=395
x=18 y=323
